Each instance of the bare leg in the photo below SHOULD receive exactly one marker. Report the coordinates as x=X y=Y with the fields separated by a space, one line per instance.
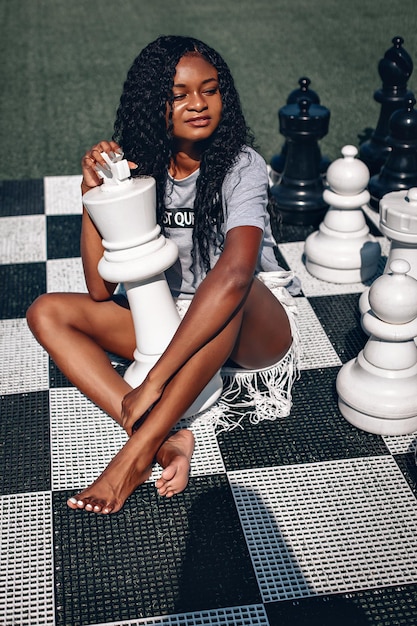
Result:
x=64 y=325
x=76 y=331
x=266 y=325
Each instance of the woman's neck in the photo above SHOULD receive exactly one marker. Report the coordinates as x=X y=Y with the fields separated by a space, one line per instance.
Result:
x=185 y=162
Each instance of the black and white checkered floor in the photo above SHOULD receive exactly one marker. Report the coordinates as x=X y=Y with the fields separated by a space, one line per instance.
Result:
x=306 y=520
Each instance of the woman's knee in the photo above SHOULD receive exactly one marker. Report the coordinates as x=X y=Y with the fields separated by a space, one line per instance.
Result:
x=43 y=313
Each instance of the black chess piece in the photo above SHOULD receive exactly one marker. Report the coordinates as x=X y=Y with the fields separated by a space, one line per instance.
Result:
x=303 y=91
x=299 y=193
x=395 y=69
x=400 y=169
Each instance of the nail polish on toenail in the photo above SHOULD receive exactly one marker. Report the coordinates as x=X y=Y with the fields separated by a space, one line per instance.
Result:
x=80 y=503
x=73 y=500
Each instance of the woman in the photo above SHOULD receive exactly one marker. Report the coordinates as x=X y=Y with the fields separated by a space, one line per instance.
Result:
x=180 y=121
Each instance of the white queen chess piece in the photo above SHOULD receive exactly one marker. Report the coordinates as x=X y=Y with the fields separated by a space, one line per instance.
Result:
x=378 y=389
x=137 y=254
x=343 y=250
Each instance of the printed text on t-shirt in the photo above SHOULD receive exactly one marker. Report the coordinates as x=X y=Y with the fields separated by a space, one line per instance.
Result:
x=179 y=218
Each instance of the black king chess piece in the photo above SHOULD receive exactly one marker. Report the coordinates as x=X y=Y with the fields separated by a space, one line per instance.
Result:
x=400 y=169
x=303 y=92
x=299 y=193
x=395 y=68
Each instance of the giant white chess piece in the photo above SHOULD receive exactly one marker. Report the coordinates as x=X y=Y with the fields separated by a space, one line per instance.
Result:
x=137 y=254
x=343 y=250
x=378 y=389
x=398 y=222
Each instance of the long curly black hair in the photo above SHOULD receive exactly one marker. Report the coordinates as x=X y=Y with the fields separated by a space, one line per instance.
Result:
x=146 y=138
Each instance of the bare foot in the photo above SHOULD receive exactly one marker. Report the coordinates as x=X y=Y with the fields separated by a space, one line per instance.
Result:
x=175 y=457
x=109 y=492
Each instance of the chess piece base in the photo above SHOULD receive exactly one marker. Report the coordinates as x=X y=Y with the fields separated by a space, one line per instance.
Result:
x=382 y=402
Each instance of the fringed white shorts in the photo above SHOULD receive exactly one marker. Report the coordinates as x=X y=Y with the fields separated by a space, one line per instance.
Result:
x=263 y=394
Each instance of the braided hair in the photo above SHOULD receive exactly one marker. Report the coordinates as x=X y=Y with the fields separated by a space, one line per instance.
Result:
x=142 y=130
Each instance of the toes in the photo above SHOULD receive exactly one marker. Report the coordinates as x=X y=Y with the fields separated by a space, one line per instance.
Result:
x=90 y=505
x=169 y=472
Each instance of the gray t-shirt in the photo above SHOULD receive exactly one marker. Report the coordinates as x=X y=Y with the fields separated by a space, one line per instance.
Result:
x=244 y=199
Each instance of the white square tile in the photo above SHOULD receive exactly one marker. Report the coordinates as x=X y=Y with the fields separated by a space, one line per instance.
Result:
x=312 y=286
x=250 y=615
x=24 y=363
x=330 y=527
x=26 y=560
x=22 y=239
x=84 y=440
x=401 y=444
x=63 y=195
x=315 y=346
x=65 y=275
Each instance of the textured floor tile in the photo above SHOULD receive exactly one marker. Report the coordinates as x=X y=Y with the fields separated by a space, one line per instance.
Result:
x=312 y=286
x=62 y=195
x=21 y=197
x=154 y=557
x=372 y=607
x=26 y=570
x=22 y=283
x=328 y=527
x=22 y=239
x=234 y=616
x=316 y=349
x=63 y=236
x=83 y=439
x=24 y=433
x=340 y=319
x=24 y=363
x=314 y=431
x=65 y=275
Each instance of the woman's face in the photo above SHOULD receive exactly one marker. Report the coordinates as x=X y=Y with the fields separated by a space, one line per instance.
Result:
x=197 y=106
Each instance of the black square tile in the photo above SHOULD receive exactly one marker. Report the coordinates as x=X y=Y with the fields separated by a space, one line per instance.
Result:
x=63 y=236
x=21 y=197
x=156 y=556
x=25 y=446
x=314 y=431
x=340 y=317
x=407 y=464
x=21 y=284
x=390 y=606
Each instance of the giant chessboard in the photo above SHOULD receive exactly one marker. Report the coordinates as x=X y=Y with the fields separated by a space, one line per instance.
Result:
x=302 y=521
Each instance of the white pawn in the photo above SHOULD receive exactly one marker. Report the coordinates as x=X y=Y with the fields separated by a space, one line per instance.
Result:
x=378 y=389
x=342 y=250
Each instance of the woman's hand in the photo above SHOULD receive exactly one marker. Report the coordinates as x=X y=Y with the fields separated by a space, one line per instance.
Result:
x=92 y=158
x=137 y=403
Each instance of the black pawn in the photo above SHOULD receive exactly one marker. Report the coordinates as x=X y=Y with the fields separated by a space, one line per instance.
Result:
x=299 y=194
x=302 y=92
x=400 y=169
x=395 y=68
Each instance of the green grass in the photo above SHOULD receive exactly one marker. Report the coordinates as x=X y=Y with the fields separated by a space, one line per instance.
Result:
x=63 y=64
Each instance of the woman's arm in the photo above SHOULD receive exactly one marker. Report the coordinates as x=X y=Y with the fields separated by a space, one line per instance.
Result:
x=217 y=300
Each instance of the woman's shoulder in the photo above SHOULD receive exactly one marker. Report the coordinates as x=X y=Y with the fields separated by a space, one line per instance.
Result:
x=249 y=165
x=249 y=156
